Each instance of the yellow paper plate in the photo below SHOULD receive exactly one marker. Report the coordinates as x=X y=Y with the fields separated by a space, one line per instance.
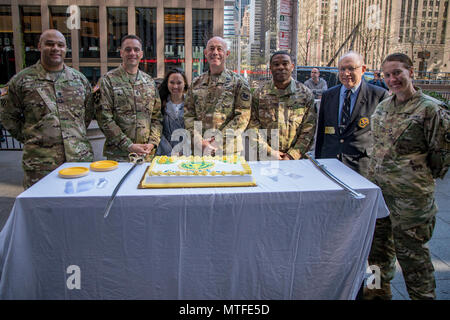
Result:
x=73 y=172
x=104 y=165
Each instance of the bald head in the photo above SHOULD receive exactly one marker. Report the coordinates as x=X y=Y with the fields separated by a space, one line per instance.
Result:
x=51 y=32
x=52 y=46
x=315 y=75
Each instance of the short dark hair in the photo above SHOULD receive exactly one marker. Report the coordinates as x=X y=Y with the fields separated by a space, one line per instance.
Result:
x=163 y=87
x=130 y=36
x=400 y=57
x=278 y=53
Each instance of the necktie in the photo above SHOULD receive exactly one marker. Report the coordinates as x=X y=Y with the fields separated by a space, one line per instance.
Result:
x=345 y=115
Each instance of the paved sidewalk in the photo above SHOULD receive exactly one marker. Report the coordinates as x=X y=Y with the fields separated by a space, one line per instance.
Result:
x=11 y=176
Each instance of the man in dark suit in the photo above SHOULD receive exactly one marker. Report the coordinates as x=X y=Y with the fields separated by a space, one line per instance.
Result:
x=343 y=128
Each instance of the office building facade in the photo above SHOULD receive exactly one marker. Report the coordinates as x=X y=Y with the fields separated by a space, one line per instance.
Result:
x=174 y=33
x=375 y=28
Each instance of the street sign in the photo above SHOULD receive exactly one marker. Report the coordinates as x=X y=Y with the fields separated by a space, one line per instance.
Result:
x=285 y=7
x=284 y=39
x=285 y=23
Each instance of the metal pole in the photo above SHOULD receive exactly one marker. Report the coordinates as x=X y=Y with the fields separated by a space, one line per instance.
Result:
x=295 y=16
x=239 y=39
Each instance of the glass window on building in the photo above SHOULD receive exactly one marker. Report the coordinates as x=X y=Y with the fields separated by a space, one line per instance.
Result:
x=30 y=19
x=146 y=30
x=58 y=20
x=117 y=28
x=7 y=61
x=174 y=38
x=89 y=33
x=92 y=74
x=202 y=31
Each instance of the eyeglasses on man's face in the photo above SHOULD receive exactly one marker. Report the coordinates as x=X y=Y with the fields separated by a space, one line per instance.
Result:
x=349 y=69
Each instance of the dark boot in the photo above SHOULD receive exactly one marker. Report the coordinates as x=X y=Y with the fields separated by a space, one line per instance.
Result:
x=384 y=293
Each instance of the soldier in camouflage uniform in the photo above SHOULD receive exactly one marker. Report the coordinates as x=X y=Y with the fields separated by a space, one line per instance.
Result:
x=285 y=105
x=411 y=149
x=220 y=99
x=129 y=108
x=48 y=108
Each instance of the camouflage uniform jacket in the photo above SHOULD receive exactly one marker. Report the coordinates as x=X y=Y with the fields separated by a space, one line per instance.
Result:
x=49 y=117
x=291 y=111
x=411 y=149
x=219 y=102
x=128 y=112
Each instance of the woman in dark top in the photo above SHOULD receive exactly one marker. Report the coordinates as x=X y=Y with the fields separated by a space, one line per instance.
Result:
x=172 y=91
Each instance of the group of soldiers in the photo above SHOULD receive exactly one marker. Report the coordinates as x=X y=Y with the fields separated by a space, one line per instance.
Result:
x=49 y=106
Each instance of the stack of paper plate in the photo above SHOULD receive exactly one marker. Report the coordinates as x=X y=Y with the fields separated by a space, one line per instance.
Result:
x=73 y=172
x=104 y=165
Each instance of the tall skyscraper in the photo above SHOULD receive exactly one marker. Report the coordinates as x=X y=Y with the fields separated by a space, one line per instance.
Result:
x=272 y=28
x=257 y=35
x=229 y=18
x=230 y=31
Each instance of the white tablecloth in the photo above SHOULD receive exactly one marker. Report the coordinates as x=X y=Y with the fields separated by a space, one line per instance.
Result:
x=297 y=235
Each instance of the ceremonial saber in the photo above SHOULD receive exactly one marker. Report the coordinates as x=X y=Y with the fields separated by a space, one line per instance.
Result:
x=136 y=160
x=324 y=170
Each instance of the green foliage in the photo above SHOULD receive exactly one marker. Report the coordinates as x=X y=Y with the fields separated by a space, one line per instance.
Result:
x=436 y=95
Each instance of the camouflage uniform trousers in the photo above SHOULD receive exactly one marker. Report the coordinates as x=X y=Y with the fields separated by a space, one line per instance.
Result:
x=36 y=170
x=31 y=177
x=409 y=247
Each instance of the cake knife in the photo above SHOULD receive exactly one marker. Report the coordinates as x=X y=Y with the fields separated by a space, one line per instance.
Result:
x=324 y=170
x=136 y=160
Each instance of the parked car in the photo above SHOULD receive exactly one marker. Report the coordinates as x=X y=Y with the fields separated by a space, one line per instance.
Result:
x=368 y=75
x=329 y=74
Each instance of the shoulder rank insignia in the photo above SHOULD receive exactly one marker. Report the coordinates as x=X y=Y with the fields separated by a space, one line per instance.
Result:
x=96 y=93
x=245 y=96
x=4 y=91
x=363 y=122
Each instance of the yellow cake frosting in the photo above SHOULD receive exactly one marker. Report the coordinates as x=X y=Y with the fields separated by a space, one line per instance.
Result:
x=195 y=171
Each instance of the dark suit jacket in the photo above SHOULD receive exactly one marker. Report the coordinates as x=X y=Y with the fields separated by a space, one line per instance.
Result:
x=352 y=146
